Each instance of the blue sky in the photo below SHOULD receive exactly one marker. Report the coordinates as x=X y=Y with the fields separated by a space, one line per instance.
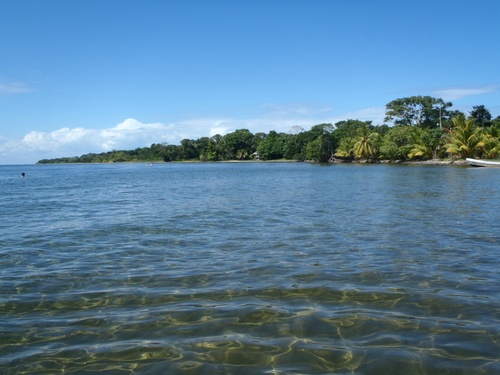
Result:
x=84 y=76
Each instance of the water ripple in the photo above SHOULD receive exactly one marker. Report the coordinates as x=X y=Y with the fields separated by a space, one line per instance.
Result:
x=249 y=269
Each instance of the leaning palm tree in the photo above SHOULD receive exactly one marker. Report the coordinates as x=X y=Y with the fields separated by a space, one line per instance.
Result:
x=345 y=149
x=367 y=144
x=465 y=139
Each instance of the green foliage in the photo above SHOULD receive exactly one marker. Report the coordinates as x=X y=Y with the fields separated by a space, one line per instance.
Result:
x=447 y=122
x=426 y=143
x=496 y=122
x=295 y=146
x=417 y=137
x=345 y=149
x=396 y=143
x=366 y=144
x=481 y=116
x=465 y=140
x=490 y=146
x=423 y=111
x=271 y=147
x=349 y=128
x=238 y=145
x=188 y=150
x=320 y=149
x=321 y=129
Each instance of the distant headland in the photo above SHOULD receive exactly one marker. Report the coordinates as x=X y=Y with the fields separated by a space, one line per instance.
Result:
x=424 y=130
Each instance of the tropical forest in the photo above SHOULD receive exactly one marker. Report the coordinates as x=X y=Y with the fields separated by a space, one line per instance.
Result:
x=416 y=128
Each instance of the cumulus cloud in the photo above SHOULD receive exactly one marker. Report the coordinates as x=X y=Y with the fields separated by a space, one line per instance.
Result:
x=281 y=118
x=219 y=130
x=62 y=142
x=131 y=133
x=459 y=93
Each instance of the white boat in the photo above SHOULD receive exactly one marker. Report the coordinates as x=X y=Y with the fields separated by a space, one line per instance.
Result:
x=482 y=163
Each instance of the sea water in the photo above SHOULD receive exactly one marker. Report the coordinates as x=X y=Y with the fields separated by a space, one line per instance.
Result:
x=249 y=268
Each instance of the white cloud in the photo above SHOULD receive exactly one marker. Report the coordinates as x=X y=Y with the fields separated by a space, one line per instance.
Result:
x=14 y=88
x=281 y=118
x=62 y=142
x=131 y=133
x=459 y=93
x=219 y=130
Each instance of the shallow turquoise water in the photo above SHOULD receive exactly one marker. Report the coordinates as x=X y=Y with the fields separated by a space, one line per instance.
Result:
x=230 y=268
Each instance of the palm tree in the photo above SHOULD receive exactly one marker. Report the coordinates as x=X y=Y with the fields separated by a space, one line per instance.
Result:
x=425 y=143
x=490 y=146
x=465 y=139
x=345 y=149
x=367 y=144
x=242 y=154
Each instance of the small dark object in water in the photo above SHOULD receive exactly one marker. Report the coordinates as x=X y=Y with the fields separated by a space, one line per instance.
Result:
x=23 y=174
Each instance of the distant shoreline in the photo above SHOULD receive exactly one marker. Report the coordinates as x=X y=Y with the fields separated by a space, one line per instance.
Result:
x=416 y=162
x=392 y=162
x=443 y=162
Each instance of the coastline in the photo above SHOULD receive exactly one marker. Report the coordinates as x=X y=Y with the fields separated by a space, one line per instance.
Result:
x=460 y=162
x=456 y=162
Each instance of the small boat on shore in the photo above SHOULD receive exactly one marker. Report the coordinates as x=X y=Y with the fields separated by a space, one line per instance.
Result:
x=482 y=163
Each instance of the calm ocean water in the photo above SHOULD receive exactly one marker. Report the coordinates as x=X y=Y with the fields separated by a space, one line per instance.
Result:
x=249 y=268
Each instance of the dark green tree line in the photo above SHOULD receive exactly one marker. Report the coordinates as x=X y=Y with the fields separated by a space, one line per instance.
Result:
x=422 y=128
